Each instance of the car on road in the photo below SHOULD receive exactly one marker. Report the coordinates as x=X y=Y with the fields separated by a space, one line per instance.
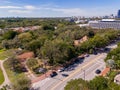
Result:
x=98 y=71
x=53 y=74
x=65 y=75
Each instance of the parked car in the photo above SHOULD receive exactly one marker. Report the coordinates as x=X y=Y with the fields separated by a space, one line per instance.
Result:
x=61 y=70
x=98 y=71
x=65 y=75
x=86 y=55
x=24 y=69
x=41 y=70
x=107 y=49
x=95 y=53
x=53 y=74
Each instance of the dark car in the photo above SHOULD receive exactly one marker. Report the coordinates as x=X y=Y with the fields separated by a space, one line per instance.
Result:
x=98 y=71
x=24 y=69
x=65 y=75
x=53 y=74
x=95 y=53
x=87 y=55
x=107 y=49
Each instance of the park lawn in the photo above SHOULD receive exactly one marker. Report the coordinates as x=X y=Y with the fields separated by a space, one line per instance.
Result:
x=1 y=77
x=5 y=54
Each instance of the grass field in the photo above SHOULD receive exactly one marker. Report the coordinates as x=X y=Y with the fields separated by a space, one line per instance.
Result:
x=5 y=54
x=1 y=77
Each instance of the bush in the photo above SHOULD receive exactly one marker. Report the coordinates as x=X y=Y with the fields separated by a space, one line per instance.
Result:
x=22 y=83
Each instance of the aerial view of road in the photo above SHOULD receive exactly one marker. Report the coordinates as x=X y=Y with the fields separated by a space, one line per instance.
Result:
x=85 y=70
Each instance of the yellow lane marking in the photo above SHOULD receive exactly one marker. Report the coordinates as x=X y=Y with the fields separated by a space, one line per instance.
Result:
x=78 y=70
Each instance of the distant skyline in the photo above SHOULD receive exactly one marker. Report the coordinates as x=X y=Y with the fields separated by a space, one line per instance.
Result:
x=58 y=8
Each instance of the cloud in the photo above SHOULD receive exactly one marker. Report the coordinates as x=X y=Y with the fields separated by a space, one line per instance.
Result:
x=19 y=11
x=30 y=7
x=27 y=7
x=10 y=7
x=67 y=11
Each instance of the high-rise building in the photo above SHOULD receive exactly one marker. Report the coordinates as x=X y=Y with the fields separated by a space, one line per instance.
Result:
x=118 y=14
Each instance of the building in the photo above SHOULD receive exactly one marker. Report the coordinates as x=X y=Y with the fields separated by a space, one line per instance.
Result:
x=79 y=41
x=118 y=14
x=105 y=23
x=117 y=79
x=23 y=29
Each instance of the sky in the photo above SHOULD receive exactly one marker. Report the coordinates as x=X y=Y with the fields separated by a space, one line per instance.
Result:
x=58 y=8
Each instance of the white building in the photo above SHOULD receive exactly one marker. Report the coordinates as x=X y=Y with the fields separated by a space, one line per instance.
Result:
x=105 y=23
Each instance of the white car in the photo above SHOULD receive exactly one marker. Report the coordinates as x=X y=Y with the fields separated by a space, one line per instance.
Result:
x=61 y=70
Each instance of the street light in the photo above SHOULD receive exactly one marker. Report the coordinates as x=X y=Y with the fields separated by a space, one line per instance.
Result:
x=45 y=62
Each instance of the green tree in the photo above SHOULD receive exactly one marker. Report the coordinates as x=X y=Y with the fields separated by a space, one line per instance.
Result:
x=91 y=34
x=48 y=27
x=32 y=63
x=98 y=83
x=77 y=84
x=34 y=45
x=15 y=65
x=57 y=52
x=22 y=83
x=9 y=35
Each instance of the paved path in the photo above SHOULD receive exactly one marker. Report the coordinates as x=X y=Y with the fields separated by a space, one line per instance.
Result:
x=42 y=77
x=6 y=81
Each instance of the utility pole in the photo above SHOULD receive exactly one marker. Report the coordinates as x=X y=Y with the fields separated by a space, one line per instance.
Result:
x=84 y=74
x=45 y=62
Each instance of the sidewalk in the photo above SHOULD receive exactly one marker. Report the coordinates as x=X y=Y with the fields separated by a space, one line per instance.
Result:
x=41 y=77
x=7 y=81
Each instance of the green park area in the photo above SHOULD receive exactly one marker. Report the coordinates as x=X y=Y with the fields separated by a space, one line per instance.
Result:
x=1 y=77
x=5 y=54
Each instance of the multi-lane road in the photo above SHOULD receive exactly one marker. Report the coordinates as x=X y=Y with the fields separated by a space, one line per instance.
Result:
x=85 y=70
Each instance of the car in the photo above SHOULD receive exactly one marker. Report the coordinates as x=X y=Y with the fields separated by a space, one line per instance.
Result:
x=107 y=49
x=95 y=53
x=65 y=75
x=53 y=74
x=24 y=69
x=41 y=70
x=98 y=71
x=61 y=70
x=87 y=55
